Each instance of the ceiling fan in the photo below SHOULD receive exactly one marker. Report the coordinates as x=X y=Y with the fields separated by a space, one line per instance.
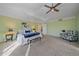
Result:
x=52 y=8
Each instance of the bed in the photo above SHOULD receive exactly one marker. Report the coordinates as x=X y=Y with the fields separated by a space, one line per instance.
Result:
x=28 y=36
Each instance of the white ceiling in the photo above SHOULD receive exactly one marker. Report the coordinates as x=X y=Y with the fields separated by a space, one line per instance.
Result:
x=36 y=11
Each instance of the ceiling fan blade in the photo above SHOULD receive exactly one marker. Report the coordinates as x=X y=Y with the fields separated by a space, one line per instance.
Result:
x=57 y=5
x=48 y=11
x=56 y=10
x=47 y=6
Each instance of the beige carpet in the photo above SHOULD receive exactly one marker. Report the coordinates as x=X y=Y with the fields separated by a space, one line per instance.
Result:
x=48 y=46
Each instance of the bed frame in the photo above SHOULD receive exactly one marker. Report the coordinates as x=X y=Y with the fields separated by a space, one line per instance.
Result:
x=22 y=40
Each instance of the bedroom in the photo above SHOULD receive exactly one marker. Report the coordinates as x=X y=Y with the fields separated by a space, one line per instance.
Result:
x=50 y=25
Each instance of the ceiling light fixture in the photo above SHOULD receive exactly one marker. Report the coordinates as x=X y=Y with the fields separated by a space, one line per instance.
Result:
x=52 y=10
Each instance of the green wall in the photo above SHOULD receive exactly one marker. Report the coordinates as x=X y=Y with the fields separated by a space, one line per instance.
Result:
x=55 y=27
x=8 y=22
x=15 y=24
x=77 y=22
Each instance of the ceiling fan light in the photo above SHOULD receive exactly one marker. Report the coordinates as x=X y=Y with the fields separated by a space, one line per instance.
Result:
x=52 y=10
